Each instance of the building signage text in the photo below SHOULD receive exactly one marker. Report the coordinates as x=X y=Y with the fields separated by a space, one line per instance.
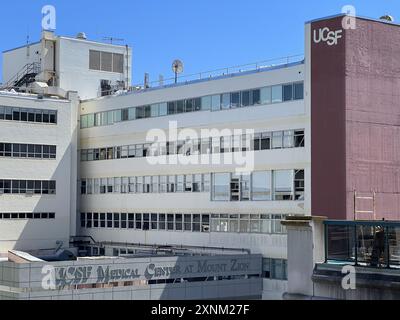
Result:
x=77 y=275
x=328 y=36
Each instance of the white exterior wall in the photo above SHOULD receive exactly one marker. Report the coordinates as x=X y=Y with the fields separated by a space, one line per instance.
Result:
x=283 y=116
x=73 y=66
x=15 y=60
x=40 y=234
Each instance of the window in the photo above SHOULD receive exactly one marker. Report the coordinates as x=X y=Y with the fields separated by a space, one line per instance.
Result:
x=226 y=101
x=196 y=223
x=16 y=114
x=299 y=91
x=261 y=186
x=106 y=61
x=266 y=95
x=154 y=221
x=221 y=187
x=299 y=139
x=288 y=92
x=131 y=221
x=170 y=222
x=277 y=140
x=138 y=221
x=245 y=187
x=288 y=139
x=171 y=184
x=83 y=187
x=155 y=184
x=216 y=103
x=163 y=109
x=244 y=224
x=154 y=110
x=179 y=222
x=146 y=222
x=283 y=185
x=189 y=105
x=172 y=108
x=162 y=221
x=235 y=100
x=118 y=63
x=109 y=220
x=226 y=144
x=206 y=182
x=299 y=185
x=102 y=220
x=205 y=103
x=197 y=183
x=94 y=60
x=187 y=222
x=8 y=113
x=265 y=141
x=246 y=98
x=276 y=94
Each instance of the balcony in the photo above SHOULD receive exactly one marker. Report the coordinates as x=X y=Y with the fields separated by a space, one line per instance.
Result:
x=372 y=244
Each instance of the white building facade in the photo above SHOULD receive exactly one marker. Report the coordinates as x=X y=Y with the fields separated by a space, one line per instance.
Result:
x=38 y=152
x=197 y=197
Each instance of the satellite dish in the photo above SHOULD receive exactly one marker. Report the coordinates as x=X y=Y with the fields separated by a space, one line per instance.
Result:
x=177 y=68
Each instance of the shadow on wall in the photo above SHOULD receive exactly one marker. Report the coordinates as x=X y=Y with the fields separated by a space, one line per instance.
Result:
x=44 y=233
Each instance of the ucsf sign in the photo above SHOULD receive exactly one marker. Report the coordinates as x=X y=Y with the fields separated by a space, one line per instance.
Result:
x=328 y=36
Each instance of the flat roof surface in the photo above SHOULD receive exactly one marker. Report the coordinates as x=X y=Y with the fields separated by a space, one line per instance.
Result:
x=190 y=82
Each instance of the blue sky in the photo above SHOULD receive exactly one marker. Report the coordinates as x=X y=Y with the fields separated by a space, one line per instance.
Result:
x=205 y=34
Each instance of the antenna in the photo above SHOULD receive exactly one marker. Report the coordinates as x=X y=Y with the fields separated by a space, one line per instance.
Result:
x=113 y=39
x=177 y=68
x=28 y=51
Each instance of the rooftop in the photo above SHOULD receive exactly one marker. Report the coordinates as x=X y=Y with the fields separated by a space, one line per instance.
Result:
x=217 y=74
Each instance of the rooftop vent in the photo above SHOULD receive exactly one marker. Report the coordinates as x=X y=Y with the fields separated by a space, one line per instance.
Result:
x=387 y=18
x=81 y=35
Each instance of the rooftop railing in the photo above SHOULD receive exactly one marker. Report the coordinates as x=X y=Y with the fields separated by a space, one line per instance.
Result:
x=212 y=74
x=374 y=244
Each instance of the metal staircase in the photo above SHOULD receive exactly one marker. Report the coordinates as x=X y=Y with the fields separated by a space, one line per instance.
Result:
x=23 y=77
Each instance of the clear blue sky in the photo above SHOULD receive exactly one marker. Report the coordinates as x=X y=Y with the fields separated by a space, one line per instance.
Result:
x=205 y=34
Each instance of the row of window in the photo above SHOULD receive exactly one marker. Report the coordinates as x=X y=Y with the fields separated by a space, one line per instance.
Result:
x=147 y=222
x=248 y=223
x=149 y=184
x=214 y=145
x=228 y=223
x=262 y=96
x=32 y=151
x=28 y=115
x=279 y=185
x=28 y=187
x=27 y=216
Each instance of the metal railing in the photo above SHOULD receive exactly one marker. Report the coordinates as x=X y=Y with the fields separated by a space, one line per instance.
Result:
x=212 y=74
x=28 y=69
x=374 y=244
